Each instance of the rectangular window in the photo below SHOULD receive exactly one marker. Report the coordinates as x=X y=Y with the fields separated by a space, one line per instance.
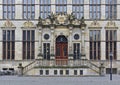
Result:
x=95 y=9
x=28 y=44
x=75 y=72
x=114 y=70
x=55 y=72
x=111 y=9
x=81 y=72
x=95 y=45
x=46 y=51
x=76 y=51
x=61 y=6
x=67 y=72
x=45 y=8
x=61 y=72
x=8 y=44
x=111 y=44
x=28 y=9
x=47 y=72
x=8 y=9
x=41 y=72
x=78 y=8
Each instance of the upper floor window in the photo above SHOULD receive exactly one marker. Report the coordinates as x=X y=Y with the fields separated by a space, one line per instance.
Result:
x=28 y=9
x=111 y=9
x=45 y=8
x=95 y=11
x=8 y=9
x=78 y=8
x=61 y=6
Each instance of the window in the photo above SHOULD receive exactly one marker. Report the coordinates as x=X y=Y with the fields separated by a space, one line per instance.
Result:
x=8 y=9
x=28 y=44
x=55 y=72
x=61 y=6
x=8 y=44
x=76 y=51
x=47 y=72
x=114 y=70
x=81 y=72
x=28 y=9
x=61 y=72
x=111 y=44
x=95 y=45
x=67 y=72
x=46 y=50
x=78 y=8
x=95 y=11
x=45 y=8
x=75 y=72
x=111 y=9
x=41 y=72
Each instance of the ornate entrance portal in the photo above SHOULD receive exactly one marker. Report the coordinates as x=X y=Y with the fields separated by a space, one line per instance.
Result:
x=61 y=50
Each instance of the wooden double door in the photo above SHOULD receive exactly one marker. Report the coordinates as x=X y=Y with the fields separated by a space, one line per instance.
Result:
x=61 y=51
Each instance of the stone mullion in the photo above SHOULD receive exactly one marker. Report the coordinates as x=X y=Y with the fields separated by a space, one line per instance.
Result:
x=113 y=44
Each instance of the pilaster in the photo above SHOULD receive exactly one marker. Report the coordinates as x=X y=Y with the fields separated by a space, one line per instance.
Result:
x=52 y=43
x=70 y=43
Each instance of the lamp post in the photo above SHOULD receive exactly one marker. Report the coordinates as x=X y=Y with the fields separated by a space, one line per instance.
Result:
x=111 y=55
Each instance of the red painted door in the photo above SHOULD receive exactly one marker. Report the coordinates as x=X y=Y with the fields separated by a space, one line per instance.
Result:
x=61 y=53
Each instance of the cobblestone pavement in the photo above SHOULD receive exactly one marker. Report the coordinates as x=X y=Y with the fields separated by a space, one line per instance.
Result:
x=15 y=80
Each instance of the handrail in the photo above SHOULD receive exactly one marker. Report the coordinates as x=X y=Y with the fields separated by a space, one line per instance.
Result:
x=26 y=68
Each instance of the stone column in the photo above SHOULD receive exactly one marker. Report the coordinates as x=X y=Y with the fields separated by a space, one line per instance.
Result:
x=83 y=27
x=70 y=56
x=52 y=51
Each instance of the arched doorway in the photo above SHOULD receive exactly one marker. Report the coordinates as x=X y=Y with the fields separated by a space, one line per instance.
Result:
x=61 y=50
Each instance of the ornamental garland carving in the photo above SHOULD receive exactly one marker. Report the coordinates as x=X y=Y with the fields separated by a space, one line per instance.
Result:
x=28 y=24
x=9 y=24
x=60 y=19
x=111 y=24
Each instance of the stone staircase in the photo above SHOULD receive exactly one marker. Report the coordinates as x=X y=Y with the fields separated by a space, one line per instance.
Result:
x=39 y=63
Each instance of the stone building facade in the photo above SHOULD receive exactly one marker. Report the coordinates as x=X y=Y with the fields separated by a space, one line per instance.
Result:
x=60 y=37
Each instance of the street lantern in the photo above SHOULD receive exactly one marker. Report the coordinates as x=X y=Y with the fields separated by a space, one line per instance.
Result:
x=111 y=55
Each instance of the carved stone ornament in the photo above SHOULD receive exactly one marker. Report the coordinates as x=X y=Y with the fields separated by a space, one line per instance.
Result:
x=58 y=19
x=28 y=24
x=95 y=24
x=110 y=24
x=9 y=24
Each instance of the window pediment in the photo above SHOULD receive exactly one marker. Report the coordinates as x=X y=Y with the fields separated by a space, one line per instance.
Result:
x=111 y=24
x=95 y=24
x=8 y=24
x=28 y=24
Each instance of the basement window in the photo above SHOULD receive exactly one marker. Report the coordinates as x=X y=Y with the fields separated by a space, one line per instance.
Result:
x=41 y=72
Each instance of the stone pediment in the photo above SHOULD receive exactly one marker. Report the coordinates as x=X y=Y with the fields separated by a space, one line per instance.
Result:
x=28 y=24
x=110 y=24
x=8 y=24
x=95 y=24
